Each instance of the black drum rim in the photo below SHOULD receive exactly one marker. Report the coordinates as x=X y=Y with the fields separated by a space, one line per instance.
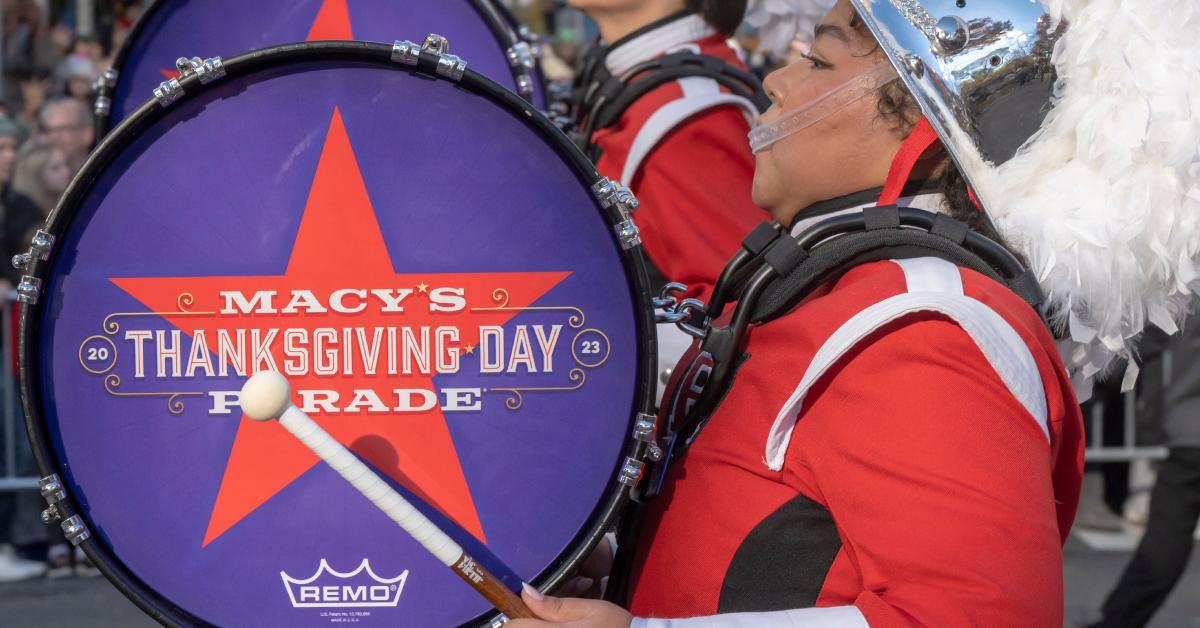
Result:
x=615 y=497
x=498 y=19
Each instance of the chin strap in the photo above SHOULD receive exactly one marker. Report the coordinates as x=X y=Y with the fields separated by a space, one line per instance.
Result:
x=920 y=142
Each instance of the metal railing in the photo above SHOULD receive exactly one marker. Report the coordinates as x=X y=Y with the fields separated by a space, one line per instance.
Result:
x=1128 y=450
x=12 y=423
x=1134 y=428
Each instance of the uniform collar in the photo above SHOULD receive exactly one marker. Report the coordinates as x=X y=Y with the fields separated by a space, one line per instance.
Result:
x=917 y=194
x=654 y=40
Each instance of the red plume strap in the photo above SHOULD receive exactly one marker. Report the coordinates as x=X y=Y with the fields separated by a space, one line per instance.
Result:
x=919 y=142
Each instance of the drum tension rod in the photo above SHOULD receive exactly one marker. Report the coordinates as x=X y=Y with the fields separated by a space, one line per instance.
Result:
x=448 y=66
x=611 y=194
x=55 y=493
x=208 y=70
x=30 y=287
x=645 y=430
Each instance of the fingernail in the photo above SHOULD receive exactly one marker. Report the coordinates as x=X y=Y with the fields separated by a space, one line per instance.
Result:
x=532 y=592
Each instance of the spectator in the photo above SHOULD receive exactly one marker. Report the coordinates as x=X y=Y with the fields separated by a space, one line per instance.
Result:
x=1162 y=556
x=88 y=48
x=33 y=96
x=66 y=123
x=18 y=215
x=42 y=174
x=29 y=54
x=76 y=74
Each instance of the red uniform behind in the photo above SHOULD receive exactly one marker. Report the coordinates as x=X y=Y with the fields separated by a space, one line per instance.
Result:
x=682 y=150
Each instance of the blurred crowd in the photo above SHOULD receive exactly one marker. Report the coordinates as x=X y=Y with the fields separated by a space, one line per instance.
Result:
x=49 y=60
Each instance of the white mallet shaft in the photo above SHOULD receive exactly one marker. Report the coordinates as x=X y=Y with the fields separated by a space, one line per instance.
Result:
x=267 y=396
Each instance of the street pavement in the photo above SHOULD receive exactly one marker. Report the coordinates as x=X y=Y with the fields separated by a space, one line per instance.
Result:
x=92 y=602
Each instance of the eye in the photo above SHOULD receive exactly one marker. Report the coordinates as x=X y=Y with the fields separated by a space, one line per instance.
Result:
x=816 y=63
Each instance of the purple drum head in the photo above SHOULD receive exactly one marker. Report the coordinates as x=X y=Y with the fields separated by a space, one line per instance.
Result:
x=436 y=280
x=478 y=32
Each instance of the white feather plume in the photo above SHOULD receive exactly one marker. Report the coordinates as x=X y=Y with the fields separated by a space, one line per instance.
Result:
x=779 y=21
x=1105 y=199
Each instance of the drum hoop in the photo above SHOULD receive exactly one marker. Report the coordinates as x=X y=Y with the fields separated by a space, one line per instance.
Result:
x=615 y=496
x=492 y=13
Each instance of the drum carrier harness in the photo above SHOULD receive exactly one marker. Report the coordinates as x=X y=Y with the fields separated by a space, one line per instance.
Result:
x=598 y=98
x=768 y=277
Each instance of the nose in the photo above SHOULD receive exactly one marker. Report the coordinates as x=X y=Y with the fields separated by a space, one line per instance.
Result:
x=773 y=85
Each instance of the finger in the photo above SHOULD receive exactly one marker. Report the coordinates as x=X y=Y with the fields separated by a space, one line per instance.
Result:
x=551 y=608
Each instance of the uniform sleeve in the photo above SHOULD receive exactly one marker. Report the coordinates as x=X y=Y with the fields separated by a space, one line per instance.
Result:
x=939 y=483
x=695 y=193
x=839 y=617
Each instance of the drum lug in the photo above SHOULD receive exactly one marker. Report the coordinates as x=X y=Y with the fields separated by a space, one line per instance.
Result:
x=449 y=66
x=628 y=234
x=102 y=106
x=108 y=80
x=102 y=87
x=52 y=489
x=29 y=289
x=520 y=57
x=43 y=241
x=531 y=38
x=207 y=70
x=631 y=472
x=405 y=53
x=436 y=44
x=525 y=85
x=168 y=92
x=645 y=430
x=613 y=195
x=51 y=514
x=75 y=530
x=499 y=621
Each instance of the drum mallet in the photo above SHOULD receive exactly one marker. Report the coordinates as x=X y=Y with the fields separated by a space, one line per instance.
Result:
x=267 y=396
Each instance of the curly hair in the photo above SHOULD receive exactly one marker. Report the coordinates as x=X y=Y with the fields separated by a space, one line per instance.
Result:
x=723 y=15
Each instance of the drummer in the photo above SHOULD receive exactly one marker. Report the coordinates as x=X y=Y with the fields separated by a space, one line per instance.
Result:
x=902 y=447
x=681 y=148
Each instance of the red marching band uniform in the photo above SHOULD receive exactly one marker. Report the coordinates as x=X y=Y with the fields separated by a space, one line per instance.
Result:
x=682 y=150
x=870 y=475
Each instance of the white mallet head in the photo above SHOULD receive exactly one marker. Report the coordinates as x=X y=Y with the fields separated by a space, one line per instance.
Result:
x=266 y=395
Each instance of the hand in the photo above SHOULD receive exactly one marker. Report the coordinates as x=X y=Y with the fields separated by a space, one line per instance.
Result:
x=570 y=612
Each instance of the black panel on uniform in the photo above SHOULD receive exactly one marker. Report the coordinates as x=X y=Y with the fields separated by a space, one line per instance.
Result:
x=783 y=562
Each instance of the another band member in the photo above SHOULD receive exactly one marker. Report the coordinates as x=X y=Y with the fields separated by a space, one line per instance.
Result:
x=901 y=445
x=681 y=146
x=676 y=137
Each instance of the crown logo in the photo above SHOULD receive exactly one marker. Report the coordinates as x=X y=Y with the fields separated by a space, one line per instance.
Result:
x=360 y=588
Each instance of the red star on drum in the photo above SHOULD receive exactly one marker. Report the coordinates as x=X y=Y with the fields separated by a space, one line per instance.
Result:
x=339 y=251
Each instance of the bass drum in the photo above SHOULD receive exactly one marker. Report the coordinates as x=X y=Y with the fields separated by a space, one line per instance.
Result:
x=481 y=30
x=453 y=292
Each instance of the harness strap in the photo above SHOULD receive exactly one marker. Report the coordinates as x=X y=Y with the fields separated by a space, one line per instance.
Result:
x=933 y=285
